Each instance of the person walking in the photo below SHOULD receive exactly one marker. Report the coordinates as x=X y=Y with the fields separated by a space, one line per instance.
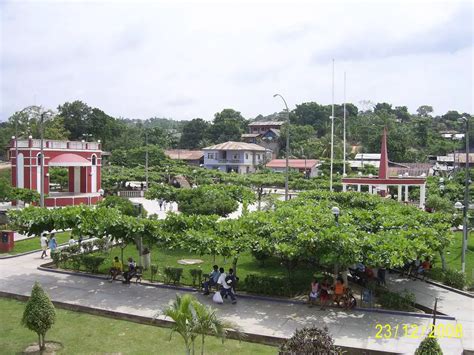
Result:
x=227 y=282
x=160 y=202
x=44 y=245
x=53 y=244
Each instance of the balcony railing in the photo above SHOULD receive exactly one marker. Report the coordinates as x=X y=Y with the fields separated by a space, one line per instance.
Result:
x=230 y=161
x=55 y=144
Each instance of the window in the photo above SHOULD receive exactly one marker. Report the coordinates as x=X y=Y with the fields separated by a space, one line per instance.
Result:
x=236 y=157
x=210 y=156
x=258 y=156
x=39 y=159
x=94 y=160
x=246 y=156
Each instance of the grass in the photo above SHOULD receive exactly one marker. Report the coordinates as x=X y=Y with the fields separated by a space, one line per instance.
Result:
x=453 y=256
x=246 y=265
x=82 y=333
x=31 y=244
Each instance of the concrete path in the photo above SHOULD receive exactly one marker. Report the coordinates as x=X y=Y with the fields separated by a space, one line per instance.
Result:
x=352 y=329
x=454 y=304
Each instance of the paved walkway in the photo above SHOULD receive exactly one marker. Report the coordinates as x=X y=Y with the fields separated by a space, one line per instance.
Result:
x=353 y=329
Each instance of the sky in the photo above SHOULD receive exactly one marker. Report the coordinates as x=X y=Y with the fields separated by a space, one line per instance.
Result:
x=188 y=59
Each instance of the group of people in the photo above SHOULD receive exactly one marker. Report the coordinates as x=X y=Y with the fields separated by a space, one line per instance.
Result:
x=417 y=268
x=226 y=282
x=117 y=270
x=46 y=244
x=163 y=204
x=338 y=293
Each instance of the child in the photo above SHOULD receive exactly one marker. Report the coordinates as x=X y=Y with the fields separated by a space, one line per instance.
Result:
x=349 y=300
x=338 y=291
x=314 y=292
x=324 y=294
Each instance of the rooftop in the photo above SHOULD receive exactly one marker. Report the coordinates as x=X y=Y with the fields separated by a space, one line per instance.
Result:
x=266 y=123
x=236 y=146
x=293 y=163
x=367 y=156
x=184 y=154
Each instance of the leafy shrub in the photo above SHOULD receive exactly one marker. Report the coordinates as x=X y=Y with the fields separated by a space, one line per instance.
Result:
x=57 y=258
x=39 y=315
x=101 y=244
x=267 y=285
x=310 y=341
x=73 y=249
x=88 y=247
x=172 y=275
x=429 y=346
x=92 y=262
x=196 y=274
x=398 y=301
x=76 y=261
x=455 y=278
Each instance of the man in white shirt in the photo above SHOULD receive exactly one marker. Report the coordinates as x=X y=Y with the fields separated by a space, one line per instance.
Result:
x=226 y=284
x=44 y=245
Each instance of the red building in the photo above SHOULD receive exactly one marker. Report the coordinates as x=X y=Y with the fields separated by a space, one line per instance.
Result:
x=82 y=159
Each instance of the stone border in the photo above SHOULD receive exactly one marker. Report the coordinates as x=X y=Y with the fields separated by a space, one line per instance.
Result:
x=47 y=268
x=163 y=323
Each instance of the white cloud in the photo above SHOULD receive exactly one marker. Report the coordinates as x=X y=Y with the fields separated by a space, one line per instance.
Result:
x=187 y=59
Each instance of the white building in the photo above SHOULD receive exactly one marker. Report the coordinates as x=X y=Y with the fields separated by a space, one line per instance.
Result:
x=236 y=157
x=363 y=159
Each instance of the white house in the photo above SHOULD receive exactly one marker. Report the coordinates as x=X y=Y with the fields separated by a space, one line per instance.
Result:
x=362 y=159
x=236 y=157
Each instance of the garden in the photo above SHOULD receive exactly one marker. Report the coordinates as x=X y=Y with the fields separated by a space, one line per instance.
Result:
x=274 y=252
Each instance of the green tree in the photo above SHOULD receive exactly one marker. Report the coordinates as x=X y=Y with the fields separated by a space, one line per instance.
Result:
x=228 y=125
x=194 y=133
x=429 y=346
x=76 y=117
x=310 y=341
x=424 y=110
x=39 y=315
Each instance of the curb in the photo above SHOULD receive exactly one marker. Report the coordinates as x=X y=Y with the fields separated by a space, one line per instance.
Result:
x=248 y=337
x=45 y=267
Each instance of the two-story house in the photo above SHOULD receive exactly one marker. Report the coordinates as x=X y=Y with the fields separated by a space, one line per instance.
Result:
x=264 y=133
x=239 y=157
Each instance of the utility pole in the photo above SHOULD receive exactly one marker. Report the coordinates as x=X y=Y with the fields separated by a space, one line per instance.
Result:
x=466 y=200
x=332 y=130
x=146 y=159
x=42 y=160
x=287 y=146
x=344 y=148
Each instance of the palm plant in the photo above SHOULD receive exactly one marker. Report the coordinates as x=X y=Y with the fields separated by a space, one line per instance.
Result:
x=180 y=311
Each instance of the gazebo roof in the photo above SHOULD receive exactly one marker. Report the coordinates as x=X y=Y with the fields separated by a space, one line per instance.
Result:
x=69 y=159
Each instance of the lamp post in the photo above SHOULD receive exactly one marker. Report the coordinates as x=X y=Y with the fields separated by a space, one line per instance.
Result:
x=459 y=206
x=87 y=136
x=287 y=145
x=344 y=138
x=332 y=130
x=146 y=159
x=335 y=211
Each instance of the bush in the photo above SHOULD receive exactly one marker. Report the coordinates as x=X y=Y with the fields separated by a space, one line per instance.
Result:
x=88 y=247
x=73 y=249
x=39 y=315
x=57 y=258
x=101 y=244
x=454 y=278
x=153 y=271
x=267 y=285
x=310 y=341
x=76 y=261
x=403 y=301
x=429 y=346
x=92 y=262
x=172 y=274
x=196 y=274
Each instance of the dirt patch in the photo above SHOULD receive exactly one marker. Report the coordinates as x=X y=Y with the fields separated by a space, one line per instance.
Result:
x=51 y=348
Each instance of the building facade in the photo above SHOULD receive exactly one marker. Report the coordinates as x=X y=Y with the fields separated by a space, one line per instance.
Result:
x=239 y=157
x=307 y=167
x=83 y=161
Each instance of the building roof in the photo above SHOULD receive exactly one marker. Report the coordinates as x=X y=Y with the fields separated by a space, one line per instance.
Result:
x=266 y=123
x=356 y=164
x=413 y=169
x=367 y=156
x=68 y=159
x=250 y=135
x=184 y=154
x=293 y=163
x=275 y=131
x=236 y=146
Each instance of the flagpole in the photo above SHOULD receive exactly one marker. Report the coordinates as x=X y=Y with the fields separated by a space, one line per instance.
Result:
x=344 y=148
x=332 y=129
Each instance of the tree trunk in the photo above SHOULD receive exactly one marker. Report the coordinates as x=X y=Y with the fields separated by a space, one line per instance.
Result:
x=234 y=264
x=202 y=344
x=443 y=260
x=192 y=347
x=39 y=342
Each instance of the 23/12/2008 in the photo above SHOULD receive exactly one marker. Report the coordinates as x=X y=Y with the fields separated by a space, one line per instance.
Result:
x=414 y=331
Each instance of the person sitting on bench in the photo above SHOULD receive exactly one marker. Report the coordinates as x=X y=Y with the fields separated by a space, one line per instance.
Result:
x=132 y=271
x=213 y=277
x=116 y=268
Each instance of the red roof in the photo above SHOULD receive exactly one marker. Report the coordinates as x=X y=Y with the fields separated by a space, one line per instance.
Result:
x=293 y=163
x=68 y=159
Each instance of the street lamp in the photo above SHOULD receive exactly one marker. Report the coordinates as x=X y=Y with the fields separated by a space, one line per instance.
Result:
x=335 y=211
x=287 y=145
x=87 y=136
x=459 y=206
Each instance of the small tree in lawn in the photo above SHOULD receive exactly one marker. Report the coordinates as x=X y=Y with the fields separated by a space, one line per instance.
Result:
x=429 y=346
x=310 y=341
x=39 y=314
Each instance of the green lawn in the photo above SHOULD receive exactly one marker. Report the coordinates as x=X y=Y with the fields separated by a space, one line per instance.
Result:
x=30 y=244
x=453 y=255
x=246 y=265
x=82 y=333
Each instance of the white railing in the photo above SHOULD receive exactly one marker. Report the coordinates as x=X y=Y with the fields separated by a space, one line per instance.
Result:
x=57 y=144
x=131 y=193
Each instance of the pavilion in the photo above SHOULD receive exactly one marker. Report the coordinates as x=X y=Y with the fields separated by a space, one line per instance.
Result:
x=82 y=159
x=381 y=183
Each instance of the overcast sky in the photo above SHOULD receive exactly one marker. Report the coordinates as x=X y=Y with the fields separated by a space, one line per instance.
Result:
x=185 y=60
